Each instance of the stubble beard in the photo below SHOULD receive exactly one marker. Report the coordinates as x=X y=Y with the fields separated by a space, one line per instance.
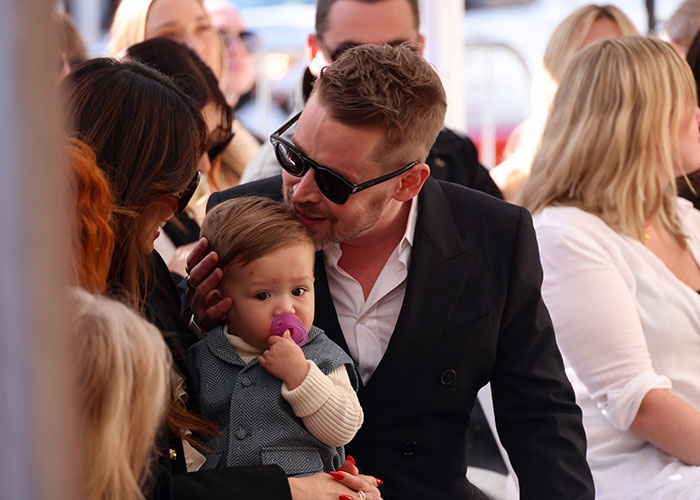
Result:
x=364 y=221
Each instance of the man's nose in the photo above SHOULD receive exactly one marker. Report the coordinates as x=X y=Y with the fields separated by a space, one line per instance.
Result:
x=305 y=190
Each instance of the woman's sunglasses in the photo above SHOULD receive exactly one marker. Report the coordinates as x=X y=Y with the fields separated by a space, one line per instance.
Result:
x=333 y=186
x=184 y=196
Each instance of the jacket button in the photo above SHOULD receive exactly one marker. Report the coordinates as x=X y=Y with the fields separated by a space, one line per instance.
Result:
x=448 y=377
x=409 y=448
x=245 y=382
x=240 y=433
x=173 y=454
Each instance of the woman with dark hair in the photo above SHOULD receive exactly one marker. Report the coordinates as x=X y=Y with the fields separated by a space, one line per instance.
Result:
x=196 y=80
x=148 y=137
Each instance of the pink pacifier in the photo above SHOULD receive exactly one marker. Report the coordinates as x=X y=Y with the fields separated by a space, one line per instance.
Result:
x=287 y=321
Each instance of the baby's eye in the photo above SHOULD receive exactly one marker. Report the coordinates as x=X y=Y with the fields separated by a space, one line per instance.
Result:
x=299 y=291
x=262 y=296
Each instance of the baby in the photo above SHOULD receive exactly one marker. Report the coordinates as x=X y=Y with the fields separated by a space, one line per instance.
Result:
x=277 y=402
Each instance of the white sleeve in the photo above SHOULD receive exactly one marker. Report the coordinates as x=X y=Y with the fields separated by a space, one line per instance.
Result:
x=589 y=296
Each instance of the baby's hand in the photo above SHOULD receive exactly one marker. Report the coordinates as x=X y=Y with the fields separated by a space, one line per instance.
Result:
x=285 y=360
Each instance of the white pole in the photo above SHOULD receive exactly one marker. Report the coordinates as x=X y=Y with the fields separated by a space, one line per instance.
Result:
x=37 y=458
x=441 y=23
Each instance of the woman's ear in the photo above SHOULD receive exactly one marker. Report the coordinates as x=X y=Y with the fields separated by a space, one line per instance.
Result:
x=412 y=182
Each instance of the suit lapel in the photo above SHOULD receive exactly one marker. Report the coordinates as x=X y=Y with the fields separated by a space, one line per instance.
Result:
x=439 y=263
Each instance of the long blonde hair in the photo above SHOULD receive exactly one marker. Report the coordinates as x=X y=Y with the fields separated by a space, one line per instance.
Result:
x=123 y=376
x=611 y=140
x=565 y=42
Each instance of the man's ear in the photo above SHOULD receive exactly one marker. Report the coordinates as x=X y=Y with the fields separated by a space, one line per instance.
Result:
x=412 y=182
x=421 y=44
x=315 y=56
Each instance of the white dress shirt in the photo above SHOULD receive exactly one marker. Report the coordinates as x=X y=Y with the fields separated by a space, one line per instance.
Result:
x=625 y=325
x=367 y=325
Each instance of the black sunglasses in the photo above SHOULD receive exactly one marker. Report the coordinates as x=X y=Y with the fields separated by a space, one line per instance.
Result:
x=184 y=196
x=333 y=186
x=250 y=40
x=344 y=47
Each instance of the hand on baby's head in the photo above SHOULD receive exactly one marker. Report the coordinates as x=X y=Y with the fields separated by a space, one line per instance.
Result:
x=285 y=360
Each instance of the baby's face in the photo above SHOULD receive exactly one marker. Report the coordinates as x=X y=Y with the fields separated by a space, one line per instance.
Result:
x=281 y=281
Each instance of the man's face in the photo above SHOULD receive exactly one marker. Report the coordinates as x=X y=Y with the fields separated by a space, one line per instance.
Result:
x=354 y=22
x=347 y=151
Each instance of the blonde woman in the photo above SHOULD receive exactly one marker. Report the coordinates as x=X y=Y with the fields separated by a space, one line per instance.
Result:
x=580 y=28
x=185 y=21
x=123 y=384
x=620 y=256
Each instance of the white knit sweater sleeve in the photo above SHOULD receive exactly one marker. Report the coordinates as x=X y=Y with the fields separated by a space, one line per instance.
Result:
x=327 y=404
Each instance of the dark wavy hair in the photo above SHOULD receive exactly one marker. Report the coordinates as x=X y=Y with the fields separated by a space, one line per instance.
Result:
x=147 y=136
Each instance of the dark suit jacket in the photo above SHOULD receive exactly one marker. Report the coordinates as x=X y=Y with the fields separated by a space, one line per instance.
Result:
x=472 y=313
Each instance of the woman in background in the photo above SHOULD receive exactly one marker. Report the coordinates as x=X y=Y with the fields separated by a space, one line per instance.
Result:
x=620 y=254
x=185 y=21
x=580 y=28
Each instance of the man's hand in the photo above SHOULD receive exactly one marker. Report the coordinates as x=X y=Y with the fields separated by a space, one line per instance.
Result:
x=202 y=279
x=285 y=360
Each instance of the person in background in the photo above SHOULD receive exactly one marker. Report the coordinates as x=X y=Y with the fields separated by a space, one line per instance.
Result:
x=432 y=288
x=620 y=254
x=185 y=21
x=341 y=24
x=241 y=45
x=580 y=28
x=90 y=206
x=681 y=27
x=123 y=378
x=197 y=81
x=688 y=185
x=70 y=43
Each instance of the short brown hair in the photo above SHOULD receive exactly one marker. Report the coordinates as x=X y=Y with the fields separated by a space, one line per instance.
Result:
x=392 y=88
x=323 y=9
x=245 y=229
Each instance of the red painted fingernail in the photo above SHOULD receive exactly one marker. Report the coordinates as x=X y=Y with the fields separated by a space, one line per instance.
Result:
x=336 y=474
x=345 y=497
x=379 y=481
x=351 y=459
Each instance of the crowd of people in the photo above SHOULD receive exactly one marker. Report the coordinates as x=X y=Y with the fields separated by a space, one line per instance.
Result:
x=402 y=281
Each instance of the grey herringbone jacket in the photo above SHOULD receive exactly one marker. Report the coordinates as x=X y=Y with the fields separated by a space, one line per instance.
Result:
x=258 y=425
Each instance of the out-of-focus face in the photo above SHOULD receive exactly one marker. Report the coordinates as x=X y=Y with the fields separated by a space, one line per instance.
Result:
x=601 y=28
x=281 y=281
x=353 y=22
x=347 y=151
x=241 y=63
x=186 y=21
x=154 y=218
x=689 y=144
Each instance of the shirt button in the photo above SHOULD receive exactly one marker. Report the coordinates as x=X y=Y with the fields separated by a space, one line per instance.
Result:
x=409 y=448
x=362 y=319
x=246 y=382
x=240 y=433
x=448 y=377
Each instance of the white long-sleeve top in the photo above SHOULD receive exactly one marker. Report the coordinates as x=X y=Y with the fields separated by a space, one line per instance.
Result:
x=625 y=325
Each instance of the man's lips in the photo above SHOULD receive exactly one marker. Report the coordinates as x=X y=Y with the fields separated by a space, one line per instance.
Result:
x=307 y=218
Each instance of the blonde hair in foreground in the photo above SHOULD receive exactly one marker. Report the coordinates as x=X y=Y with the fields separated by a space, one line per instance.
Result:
x=611 y=140
x=124 y=373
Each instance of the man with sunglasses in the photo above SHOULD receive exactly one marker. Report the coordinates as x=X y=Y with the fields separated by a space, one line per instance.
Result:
x=433 y=289
x=341 y=24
